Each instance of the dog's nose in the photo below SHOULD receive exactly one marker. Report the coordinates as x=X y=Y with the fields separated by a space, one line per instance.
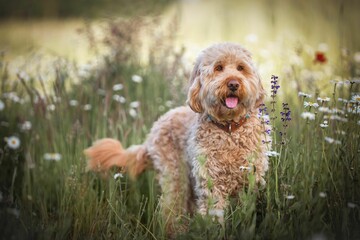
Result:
x=233 y=85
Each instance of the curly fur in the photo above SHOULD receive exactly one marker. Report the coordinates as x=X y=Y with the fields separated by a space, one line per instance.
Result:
x=196 y=161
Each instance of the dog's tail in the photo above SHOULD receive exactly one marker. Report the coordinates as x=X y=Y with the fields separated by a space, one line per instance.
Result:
x=107 y=152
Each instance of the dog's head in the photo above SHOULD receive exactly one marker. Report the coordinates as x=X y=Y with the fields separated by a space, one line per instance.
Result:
x=225 y=83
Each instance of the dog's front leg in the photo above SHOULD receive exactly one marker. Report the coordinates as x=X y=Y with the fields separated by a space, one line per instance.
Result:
x=210 y=200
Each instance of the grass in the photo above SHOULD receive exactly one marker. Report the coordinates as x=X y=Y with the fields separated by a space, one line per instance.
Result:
x=312 y=188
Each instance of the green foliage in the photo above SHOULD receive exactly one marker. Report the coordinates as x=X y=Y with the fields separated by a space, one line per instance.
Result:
x=312 y=184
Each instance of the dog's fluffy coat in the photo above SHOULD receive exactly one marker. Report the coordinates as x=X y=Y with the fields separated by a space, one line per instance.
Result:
x=195 y=159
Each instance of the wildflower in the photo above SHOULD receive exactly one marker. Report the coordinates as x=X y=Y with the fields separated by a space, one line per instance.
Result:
x=274 y=85
x=243 y=168
x=356 y=98
x=2 y=105
x=169 y=104
x=331 y=140
x=342 y=100
x=324 y=124
x=136 y=78
x=311 y=104
x=52 y=156
x=351 y=205
x=305 y=95
x=327 y=99
x=13 y=142
x=308 y=115
x=13 y=97
x=87 y=107
x=161 y=108
x=286 y=113
x=290 y=197
x=324 y=109
x=118 y=175
x=118 y=87
x=265 y=119
x=133 y=113
x=338 y=118
x=73 y=103
x=322 y=194
x=357 y=57
x=25 y=126
x=51 y=107
x=320 y=57
x=135 y=104
x=268 y=131
x=119 y=98
x=272 y=154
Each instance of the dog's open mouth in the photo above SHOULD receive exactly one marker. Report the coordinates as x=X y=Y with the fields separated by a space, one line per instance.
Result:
x=231 y=101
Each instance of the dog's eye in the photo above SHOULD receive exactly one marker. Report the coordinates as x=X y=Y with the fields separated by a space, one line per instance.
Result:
x=218 y=68
x=240 y=68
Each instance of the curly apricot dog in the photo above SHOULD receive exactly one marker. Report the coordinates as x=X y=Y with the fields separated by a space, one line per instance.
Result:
x=202 y=153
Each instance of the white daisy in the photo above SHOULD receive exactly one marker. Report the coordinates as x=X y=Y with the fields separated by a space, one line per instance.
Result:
x=272 y=154
x=324 y=124
x=357 y=57
x=356 y=98
x=351 y=205
x=308 y=115
x=322 y=194
x=133 y=113
x=13 y=142
x=135 y=104
x=118 y=98
x=73 y=103
x=25 y=126
x=331 y=140
x=136 y=78
x=326 y=99
x=305 y=95
x=118 y=87
x=52 y=156
x=2 y=105
x=311 y=104
x=290 y=197
x=118 y=175
x=87 y=107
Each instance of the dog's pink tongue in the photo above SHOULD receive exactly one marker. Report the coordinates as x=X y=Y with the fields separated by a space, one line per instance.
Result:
x=231 y=102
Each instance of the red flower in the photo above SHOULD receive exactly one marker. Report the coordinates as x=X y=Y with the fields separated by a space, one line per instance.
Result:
x=320 y=57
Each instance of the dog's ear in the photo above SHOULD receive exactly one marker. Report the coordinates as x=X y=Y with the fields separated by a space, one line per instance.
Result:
x=193 y=98
x=261 y=92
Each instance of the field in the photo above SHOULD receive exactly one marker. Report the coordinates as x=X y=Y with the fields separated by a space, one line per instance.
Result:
x=52 y=109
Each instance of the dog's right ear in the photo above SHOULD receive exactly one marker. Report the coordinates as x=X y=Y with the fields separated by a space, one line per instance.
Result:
x=193 y=98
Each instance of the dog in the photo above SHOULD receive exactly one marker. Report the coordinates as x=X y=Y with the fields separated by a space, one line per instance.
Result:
x=202 y=152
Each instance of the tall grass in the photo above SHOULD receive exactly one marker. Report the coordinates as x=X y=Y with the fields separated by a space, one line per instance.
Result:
x=312 y=188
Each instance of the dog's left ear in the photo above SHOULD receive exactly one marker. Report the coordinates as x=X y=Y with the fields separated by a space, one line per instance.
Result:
x=261 y=92
x=193 y=98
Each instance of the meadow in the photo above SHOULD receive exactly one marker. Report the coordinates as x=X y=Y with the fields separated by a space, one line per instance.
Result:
x=50 y=114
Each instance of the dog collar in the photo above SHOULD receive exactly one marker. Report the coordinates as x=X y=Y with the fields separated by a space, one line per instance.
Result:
x=229 y=127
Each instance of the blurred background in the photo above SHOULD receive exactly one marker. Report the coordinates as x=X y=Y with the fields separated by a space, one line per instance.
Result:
x=72 y=72
x=55 y=26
